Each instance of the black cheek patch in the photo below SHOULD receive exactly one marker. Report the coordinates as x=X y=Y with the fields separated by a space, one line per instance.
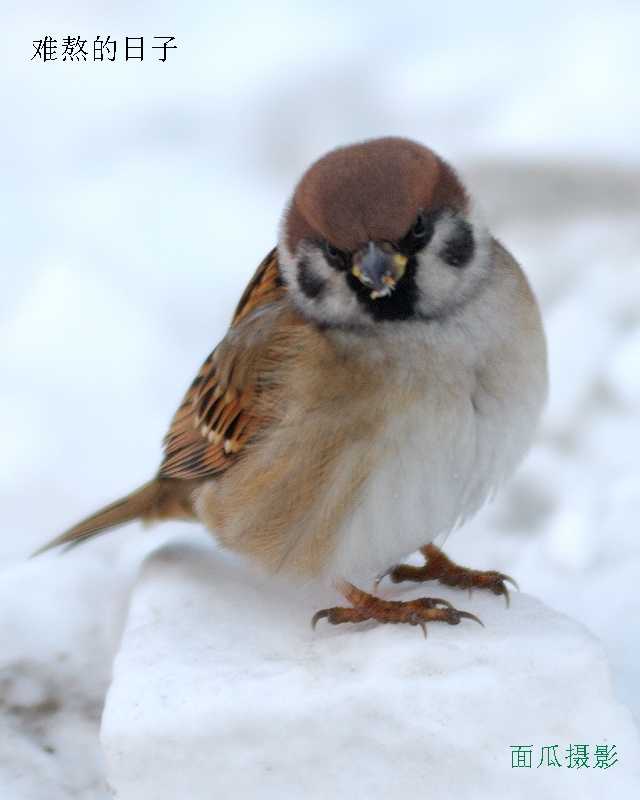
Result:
x=460 y=247
x=312 y=285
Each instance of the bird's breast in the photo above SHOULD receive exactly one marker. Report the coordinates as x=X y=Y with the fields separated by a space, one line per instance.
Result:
x=425 y=476
x=368 y=462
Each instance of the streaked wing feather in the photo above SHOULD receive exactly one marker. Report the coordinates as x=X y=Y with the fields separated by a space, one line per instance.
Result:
x=265 y=286
x=218 y=417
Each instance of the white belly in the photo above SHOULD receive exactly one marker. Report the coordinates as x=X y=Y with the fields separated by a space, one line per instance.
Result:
x=437 y=465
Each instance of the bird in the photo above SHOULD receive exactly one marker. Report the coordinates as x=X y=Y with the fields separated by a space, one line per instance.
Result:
x=382 y=376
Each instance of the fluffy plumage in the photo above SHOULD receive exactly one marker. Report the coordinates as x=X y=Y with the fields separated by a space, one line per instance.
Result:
x=382 y=375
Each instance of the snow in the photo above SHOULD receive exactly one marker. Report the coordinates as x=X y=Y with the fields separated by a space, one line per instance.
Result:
x=221 y=688
x=54 y=673
x=136 y=202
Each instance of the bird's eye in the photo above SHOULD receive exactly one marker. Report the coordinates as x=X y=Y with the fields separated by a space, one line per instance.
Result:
x=419 y=234
x=332 y=251
x=337 y=258
x=419 y=228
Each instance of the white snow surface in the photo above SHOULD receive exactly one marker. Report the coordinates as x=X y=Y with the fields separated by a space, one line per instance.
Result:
x=137 y=199
x=221 y=689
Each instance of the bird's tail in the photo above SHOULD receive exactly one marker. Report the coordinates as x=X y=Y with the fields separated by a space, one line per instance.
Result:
x=158 y=499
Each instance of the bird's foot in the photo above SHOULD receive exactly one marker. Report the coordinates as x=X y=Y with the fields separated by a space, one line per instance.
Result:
x=365 y=606
x=440 y=568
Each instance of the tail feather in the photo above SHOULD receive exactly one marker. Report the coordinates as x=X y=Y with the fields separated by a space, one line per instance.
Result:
x=145 y=503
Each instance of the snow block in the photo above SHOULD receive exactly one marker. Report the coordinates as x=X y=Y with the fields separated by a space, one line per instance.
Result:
x=222 y=690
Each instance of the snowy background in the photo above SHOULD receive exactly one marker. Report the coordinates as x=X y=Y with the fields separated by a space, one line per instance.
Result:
x=136 y=200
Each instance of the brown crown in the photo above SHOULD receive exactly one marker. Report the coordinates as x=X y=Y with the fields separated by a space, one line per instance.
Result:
x=370 y=191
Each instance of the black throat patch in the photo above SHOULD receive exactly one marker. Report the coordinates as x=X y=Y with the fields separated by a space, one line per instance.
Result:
x=400 y=304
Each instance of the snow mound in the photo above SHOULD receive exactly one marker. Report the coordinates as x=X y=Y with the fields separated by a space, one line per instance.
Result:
x=54 y=672
x=61 y=619
x=221 y=689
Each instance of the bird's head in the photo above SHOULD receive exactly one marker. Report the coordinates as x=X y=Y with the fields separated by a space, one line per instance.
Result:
x=382 y=230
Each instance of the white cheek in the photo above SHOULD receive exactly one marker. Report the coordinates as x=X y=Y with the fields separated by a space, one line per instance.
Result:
x=335 y=305
x=339 y=304
x=436 y=284
x=444 y=288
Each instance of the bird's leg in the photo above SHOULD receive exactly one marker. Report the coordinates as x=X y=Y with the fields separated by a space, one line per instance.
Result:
x=440 y=568
x=365 y=606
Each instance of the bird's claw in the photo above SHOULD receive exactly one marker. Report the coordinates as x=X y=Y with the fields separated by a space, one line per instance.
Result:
x=495 y=582
x=467 y=615
x=440 y=568
x=380 y=578
x=320 y=615
x=417 y=612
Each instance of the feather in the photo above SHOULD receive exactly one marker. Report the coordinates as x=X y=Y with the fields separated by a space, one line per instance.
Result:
x=220 y=413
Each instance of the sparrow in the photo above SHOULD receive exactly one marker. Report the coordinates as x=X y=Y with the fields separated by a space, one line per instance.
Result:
x=382 y=375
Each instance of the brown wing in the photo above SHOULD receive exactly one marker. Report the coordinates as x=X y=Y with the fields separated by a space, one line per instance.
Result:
x=265 y=286
x=218 y=415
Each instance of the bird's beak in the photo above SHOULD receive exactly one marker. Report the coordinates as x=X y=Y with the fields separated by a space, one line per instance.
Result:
x=379 y=271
